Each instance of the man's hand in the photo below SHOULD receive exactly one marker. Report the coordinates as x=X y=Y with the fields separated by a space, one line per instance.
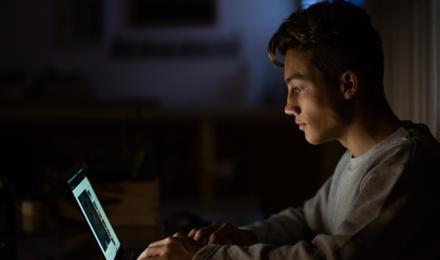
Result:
x=178 y=247
x=223 y=234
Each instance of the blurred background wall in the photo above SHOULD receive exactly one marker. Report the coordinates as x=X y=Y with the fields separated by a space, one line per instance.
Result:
x=62 y=36
x=87 y=78
x=410 y=35
x=193 y=102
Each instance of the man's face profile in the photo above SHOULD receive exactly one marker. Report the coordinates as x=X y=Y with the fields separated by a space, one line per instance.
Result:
x=310 y=100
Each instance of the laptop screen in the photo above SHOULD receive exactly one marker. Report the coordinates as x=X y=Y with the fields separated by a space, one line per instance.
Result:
x=94 y=214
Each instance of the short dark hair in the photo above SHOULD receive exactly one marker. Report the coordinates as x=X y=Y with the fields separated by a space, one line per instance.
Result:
x=339 y=36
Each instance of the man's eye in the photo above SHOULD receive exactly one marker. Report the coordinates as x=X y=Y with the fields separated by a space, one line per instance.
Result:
x=298 y=89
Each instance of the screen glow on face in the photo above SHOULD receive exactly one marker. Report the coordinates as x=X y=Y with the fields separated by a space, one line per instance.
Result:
x=96 y=218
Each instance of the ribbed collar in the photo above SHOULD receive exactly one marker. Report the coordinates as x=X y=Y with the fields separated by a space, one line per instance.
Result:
x=355 y=162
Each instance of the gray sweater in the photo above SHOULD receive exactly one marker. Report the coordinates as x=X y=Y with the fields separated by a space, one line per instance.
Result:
x=384 y=204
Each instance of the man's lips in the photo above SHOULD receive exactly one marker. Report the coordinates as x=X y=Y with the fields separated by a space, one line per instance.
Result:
x=301 y=125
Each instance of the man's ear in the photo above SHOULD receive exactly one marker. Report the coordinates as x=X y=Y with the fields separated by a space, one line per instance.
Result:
x=349 y=83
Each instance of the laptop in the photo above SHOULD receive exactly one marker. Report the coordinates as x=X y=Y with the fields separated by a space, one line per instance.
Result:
x=95 y=216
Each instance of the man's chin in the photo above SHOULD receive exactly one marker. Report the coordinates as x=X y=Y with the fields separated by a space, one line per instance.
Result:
x=313 y=141
x=309 y=139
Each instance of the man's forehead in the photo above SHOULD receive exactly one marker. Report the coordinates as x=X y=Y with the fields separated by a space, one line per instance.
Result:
x=297 y=58
x=296 y=65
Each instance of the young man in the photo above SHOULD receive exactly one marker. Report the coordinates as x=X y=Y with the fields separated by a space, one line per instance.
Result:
x=383 y=200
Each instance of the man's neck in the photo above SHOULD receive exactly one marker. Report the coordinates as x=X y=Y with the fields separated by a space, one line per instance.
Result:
x=369 y=129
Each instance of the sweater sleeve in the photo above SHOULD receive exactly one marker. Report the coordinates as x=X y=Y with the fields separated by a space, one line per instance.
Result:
x=286 y=227
x=294 y=224
x=386 y=221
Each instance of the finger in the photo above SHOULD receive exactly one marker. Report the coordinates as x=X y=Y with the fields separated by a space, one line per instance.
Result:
x=180 y=235
x=158 y=243
x=193 y=232
x=149 y=258
x=185 y=239
x=223 y=232
x=206 y=232
x=142 y=256
x=162 y=242
x=151 y=251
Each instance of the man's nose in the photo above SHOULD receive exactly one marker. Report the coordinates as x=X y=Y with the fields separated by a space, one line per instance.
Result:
x=292 y=107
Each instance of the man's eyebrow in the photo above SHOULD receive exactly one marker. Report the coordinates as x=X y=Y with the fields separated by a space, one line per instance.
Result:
x=296 y=76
